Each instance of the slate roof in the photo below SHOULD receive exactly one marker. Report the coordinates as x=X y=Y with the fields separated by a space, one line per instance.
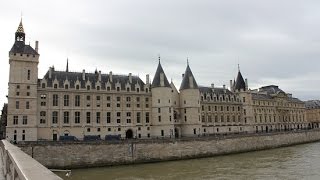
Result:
x=209 y=90
x=20 y=47
x=156 y=79
x=272 y=89
x=266 y=93
x=240 y=83
x=72 y=77
x=185 y=84
x=313 y=104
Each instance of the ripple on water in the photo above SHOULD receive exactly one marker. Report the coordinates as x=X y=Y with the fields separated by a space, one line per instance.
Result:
x=295 y=162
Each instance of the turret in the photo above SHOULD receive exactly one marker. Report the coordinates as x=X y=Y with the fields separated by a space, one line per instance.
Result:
x=162 y=112
x=189 y=102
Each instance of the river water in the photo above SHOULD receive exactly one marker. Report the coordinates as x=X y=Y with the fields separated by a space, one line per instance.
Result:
x=295 y=162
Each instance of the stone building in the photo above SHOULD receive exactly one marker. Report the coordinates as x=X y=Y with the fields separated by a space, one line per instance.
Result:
x=313 y=113
x=79 y=104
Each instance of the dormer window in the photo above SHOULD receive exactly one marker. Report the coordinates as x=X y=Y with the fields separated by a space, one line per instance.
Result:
x=88 y=87
x=118 y=88
x=98 y=88
x=66 y=86
x=138 y=89
x=128 y=89
x=43 y=85
x=77 y=86
x=108 y=88
x=55 y=86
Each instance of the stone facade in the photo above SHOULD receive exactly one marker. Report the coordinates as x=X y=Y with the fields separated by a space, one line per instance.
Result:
x=80 y=104
x=313 y=113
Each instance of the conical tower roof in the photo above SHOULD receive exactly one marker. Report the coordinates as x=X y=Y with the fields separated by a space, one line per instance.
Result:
x=157 y=78
x=240 y=83
x=188 y=81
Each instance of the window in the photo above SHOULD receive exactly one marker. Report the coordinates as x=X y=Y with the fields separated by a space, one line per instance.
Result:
x=159 y=110
x=77 y=86
x=244 y=99
x=98 y=117
x=147 y=117
x=43 y=85
x=77 y=100
x=25 y=120
x=55 y=86
x=66 y=86
x=66 y=117
x=128 y=99
x=147 y=99
x=66 y=100
x=88 y=117
x=138 y=117
x=118 y=98
x=15 y=119
x=88 y=87
x=28 y=93
x=88 y=129
x=27 y=105
x=17 y=104
x=98 y=88
x=77 y=117
x=55 y=100
x=162 y=132
x=98 y=98
x=18 y=86
x=108 y=117
x=42 y=117
x=29 y=74
x=118 y=88
x=54 y=117
x=108 y=98
x=159 y=118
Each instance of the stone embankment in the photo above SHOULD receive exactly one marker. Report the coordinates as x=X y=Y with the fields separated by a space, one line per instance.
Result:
x=93 y=154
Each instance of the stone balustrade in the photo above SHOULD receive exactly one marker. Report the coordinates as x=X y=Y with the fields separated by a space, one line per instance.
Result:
x=17 y=165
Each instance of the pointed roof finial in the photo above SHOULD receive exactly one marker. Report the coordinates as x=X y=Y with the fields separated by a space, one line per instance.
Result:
x=67 y=68
x=187 y=61
x=159 y=57
x=238 y=67
x=20 y=27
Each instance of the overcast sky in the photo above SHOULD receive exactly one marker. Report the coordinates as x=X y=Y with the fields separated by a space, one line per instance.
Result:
x=275 y=42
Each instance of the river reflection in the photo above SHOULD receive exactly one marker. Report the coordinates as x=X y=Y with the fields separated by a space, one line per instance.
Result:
x=296 y=162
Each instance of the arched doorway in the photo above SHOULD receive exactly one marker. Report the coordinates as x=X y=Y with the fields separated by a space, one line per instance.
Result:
x=176 y=133
x=129 y=134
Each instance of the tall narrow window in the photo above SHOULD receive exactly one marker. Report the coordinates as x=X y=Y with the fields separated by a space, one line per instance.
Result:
x=98 y=117
x=108 y=117
x=25 y=120
x=42 y=117
x=66 y=117
x=55 y=100
x=15 y=119
x=77 y=117
x=77 y=100
x=66 y=100
x=88 y=117
x=147 y=117
x=17 y=105
x=54 y=117
x=138 y=117
x=28 y=75
x=27 y=105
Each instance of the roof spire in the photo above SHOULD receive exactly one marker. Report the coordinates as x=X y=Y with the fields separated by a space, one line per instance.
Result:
x=238 y=67
x=159 y=57
x=187 y=61
x=67 y=68
x=20 y=27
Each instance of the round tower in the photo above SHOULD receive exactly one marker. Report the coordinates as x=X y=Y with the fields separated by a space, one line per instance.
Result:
x=190 y=105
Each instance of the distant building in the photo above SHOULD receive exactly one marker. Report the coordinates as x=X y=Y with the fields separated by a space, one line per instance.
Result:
x=313 y=113
x=65 y=103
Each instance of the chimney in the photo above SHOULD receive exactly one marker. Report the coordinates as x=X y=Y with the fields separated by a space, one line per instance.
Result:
x=50 y=72
x=110 y=76
x=212 y=85
x=147 y=79
x=182 y=75
x=246 y=83
x=99 y=76
x=83 y=75
x=130 y=78
x=224 y=86
x=231 y=85
x=37 y=46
